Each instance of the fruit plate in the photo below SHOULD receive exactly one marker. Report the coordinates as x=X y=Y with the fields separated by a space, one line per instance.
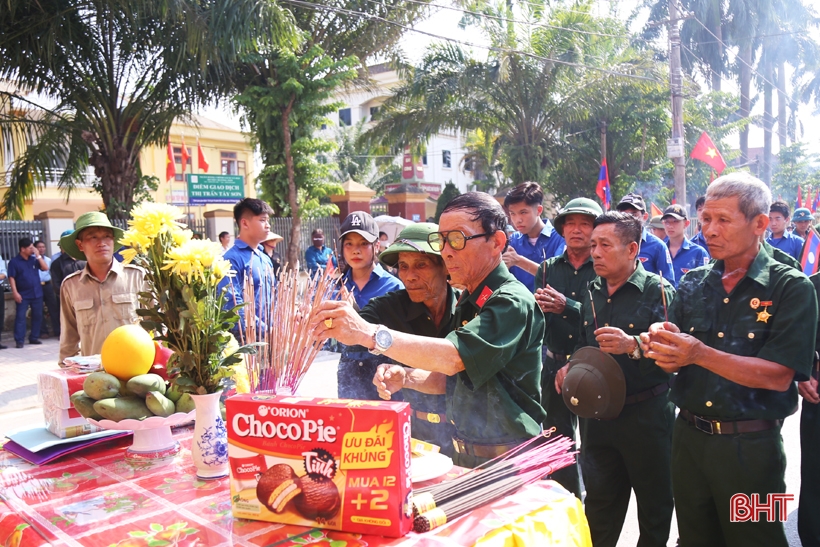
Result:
x=153 y=439
x=429 y=465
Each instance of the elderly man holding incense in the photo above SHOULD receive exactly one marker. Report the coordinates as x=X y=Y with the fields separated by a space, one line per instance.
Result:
x=631 y=452
x=425 y=306
x=739 y=334
x=489 y=366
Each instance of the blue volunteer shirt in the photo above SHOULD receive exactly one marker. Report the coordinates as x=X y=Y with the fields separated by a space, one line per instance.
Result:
x=316 y=259
x=700 y=240
x=26 y=274
x=655 y=257
x=548 y=245
x=247 y=261
x=689 y=257
x=790 y=243
x=380 y=283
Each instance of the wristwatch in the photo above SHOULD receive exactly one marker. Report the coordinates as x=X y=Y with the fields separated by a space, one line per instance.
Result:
x=635 y=354
x=382 y=340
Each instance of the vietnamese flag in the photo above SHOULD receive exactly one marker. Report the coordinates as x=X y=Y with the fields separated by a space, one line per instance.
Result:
x=603 y=191
x=170 y=170
x=809 y=260
x=706 y=151
x=201 y=157
x=185 y=156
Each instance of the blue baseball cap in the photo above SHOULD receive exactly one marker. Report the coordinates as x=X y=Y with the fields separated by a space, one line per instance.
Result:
x=801 y=214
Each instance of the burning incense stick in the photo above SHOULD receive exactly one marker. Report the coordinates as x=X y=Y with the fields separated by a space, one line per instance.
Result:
x=592 y=303
x=282 y=327
x=663 y=298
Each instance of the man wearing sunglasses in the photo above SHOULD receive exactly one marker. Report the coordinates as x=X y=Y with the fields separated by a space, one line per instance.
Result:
x=489 y=367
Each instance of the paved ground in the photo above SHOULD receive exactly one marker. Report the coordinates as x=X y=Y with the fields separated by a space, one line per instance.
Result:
x=19 y=407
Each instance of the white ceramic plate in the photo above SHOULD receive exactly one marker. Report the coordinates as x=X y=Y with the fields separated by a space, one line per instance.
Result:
x=148 y=423
x=429 y=466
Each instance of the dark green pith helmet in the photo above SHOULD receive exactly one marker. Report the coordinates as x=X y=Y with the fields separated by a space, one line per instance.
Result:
x=594 y=386
x=577 y=206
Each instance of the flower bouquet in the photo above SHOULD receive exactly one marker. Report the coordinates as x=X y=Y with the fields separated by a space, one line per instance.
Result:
x=185 y=309
x=181 y=303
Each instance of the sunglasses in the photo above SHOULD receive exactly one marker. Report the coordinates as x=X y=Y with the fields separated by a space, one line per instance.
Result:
x=455 y=238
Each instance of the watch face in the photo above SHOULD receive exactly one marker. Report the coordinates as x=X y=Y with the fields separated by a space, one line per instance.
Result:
x=383 y=338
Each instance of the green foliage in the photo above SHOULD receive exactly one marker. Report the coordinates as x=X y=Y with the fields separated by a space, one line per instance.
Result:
x=118 y=73
x=372 y=166
x=794 y=169
x=301 y=86
x=448 y=194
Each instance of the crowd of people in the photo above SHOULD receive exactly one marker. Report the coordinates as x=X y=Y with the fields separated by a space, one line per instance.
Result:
x=714 y=335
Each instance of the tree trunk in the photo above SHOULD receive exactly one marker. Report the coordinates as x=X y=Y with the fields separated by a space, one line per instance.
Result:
x=294 y=248
x=118 y=177
x=716 y=79
x=745 y=98
x=782 y=101
x=768 y=125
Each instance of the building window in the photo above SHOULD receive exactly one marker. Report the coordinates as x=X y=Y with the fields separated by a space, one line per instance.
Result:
x=424 y=159
x=468 y=163
x=324 y=126
x=321 y=159
x=344 y=117
x=178 y=162
x=446 y=160
x=232 y=166
x=374 y=112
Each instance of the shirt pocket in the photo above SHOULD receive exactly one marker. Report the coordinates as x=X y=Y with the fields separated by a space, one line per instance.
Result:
x=85 y=312
x=125 y=307
x=699 y=326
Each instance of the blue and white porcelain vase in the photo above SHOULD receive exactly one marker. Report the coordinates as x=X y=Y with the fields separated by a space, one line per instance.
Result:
x=210 y=443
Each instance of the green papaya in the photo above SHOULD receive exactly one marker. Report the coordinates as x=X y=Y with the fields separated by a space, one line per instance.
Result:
x=84 y=405
x=101 y=385
x=123 y=408
x=159 y=404
x=142 y=384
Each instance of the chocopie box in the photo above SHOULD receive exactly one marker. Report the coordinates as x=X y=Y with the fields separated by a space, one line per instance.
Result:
x=340 y=464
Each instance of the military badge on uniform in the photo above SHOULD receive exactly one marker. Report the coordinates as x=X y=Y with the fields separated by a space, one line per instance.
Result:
x=755 y=303
x=763 y=316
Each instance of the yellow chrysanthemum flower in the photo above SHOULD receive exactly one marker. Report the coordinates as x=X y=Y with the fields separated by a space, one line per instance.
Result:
x=136 y=240
x=181 y=237
x=220 y=269
x=192 y=259
x=150 y=219
x=128 y=255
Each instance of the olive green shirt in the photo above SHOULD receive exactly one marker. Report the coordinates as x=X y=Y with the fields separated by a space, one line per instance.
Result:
x=496 y=398
x=396 y=311
x=561 y=335
x=635 y=306
x=770 y=314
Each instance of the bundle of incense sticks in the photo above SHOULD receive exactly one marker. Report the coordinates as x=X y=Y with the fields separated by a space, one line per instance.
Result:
x=287 y=347
x=526 y=463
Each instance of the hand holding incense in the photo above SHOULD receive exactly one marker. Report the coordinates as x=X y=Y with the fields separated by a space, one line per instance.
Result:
x=592 y=303
x=663 y=298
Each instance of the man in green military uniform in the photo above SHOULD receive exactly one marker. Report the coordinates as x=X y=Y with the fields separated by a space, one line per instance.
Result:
x=561 y=283
x=490 y=365
x=633 y=451
x=426 y=307
x=738 y=336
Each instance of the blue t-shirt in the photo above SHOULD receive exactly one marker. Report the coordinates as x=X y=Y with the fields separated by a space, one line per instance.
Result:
x=700 y=240
x=689 y=257
x=244 y=261
x=317 y=258
x=26 y=274
x=548 y=245
x=380 y=283
x=655 y=257
x=790 y=243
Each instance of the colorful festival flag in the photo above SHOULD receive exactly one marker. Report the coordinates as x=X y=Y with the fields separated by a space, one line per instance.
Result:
x=185 y=156
x=603 y=190
x=799 y=201
x=809 y=260
x=706 y=151
x=170 y=170
x=203 y=165
x=655 y=211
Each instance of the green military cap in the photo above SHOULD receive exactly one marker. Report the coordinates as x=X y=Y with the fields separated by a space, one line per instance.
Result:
x=594 y=386
x=68 y=243
x=413 y=239
x=801 y=214
x=656 y=222
x=577 y=206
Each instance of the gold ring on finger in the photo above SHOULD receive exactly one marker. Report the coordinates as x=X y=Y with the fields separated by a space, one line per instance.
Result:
x=329 y=323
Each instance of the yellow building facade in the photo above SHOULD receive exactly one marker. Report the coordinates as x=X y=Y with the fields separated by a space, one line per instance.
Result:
x=225 y=150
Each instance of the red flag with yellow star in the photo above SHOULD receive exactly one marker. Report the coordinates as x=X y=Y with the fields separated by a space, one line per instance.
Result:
x=170 y=170
x=706 y=151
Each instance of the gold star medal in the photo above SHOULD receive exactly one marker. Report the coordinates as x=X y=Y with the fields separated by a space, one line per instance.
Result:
x=754 y=303
x=763 y=316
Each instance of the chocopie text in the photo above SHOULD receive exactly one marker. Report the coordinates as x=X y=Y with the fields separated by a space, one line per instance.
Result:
x=331 y=463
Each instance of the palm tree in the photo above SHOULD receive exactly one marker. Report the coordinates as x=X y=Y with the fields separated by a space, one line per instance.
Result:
x=109 y=78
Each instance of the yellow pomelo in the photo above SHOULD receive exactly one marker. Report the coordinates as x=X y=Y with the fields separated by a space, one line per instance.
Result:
x=127 y=352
